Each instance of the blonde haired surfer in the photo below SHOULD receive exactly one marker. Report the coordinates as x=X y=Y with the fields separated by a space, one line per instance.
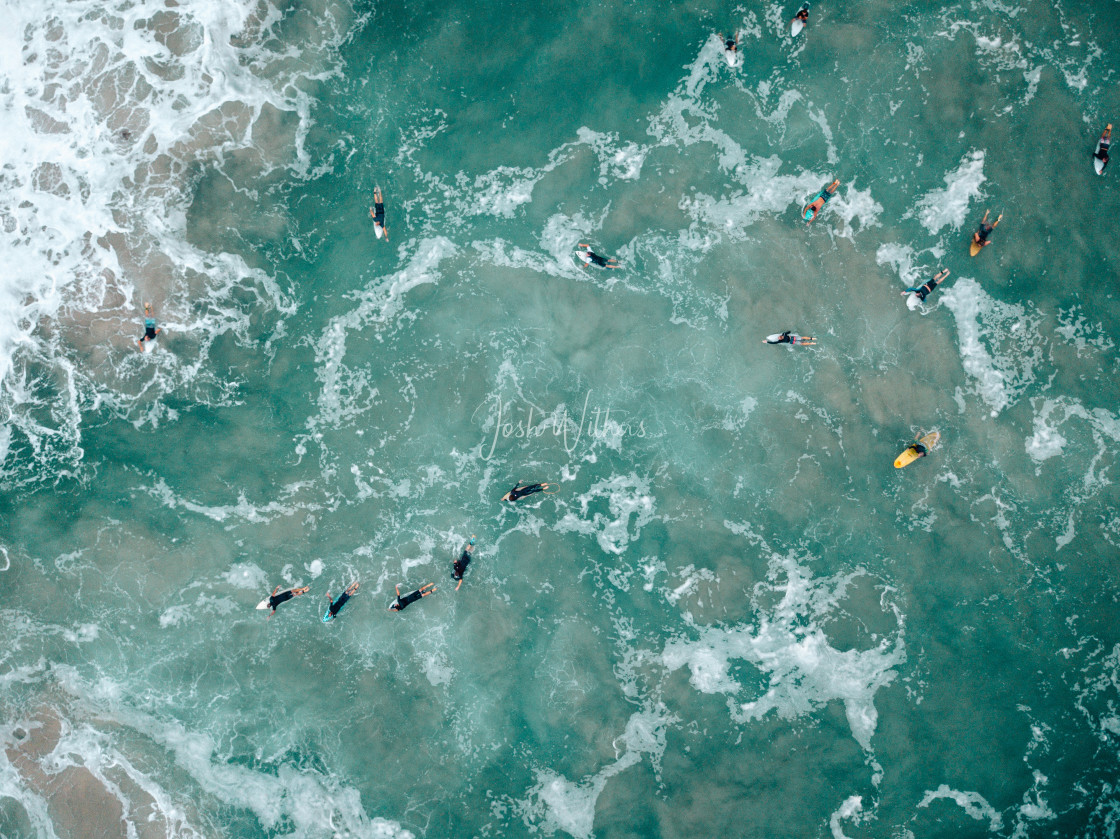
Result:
x=150 y=331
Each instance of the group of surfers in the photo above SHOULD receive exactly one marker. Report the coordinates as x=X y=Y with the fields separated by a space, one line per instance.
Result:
x=403 y=601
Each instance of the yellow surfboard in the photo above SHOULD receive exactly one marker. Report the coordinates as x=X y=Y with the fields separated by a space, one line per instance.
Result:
x=911 y=454
x=974 y=249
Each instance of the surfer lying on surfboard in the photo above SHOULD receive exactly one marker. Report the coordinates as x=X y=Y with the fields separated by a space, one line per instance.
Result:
x=402 y=603
x=150 y=331
x=822 y=198
x=461 y=563
x=926 y=288
x=789 y=338
x=521 y=490
x=729 y=45
x=336 y=605
x=275 y=599
x=377 y=213
x=1101 y=153
x=980 y=237
x=802 y=16
x=589 y=257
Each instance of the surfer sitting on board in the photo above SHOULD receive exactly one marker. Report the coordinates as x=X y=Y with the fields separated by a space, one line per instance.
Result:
x=521 y=490
x=402 y=603
x=336 y=605
x=822 y=198
x=980 y=237
x=377 y=213
x=926 y=288
x=729 y=45
x=461 y=563
x=803 y=16
x=275 y=599
x=150 y=331
x=589 y=257
x=1102 y=147
x=789 y=338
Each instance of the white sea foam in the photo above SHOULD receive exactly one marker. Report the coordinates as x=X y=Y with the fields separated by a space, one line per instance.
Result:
x=851 y=810
x=109 y=112
x=347 y=392
x=312 y=803
x=628 y=498
x=555 y=803
x=973 y=803
x=246 y=575
x=984 y=327
x=949 y=206
x=787 y=645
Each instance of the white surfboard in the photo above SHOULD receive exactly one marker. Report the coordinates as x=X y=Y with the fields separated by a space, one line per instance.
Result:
x=263 y=604
x=378 y=230
x=797 y=25
x=732 y=58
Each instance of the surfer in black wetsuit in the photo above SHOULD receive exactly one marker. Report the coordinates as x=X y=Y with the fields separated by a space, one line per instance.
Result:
x=803 y=16
x=980 y=237
x=790 y=338
x=1102 y=151
x=461 y=563
x=336 y=605
x=275 y=599
x=521 y=490
x=926 y=288
x=729 y=45
x=150 y=331
x=377 y=213
x=402 y=603
x=589 y=257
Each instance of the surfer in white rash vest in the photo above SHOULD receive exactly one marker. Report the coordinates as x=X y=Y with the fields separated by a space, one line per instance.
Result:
x=789 y=338
x=275 y=599
x=1101 y=153
x=589 y=257
x=926 y=288
x=377 y=213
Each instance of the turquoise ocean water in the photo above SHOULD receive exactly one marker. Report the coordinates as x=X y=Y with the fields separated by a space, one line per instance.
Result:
x=735 y=618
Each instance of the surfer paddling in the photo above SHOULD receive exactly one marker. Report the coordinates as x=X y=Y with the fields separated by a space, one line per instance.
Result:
x=377 y=213
x=730 y=45
x=823 y=197
x=402 y=603
x=790 y=338
x=336 y=605
x=521 y=490
x=150 y=331
x=277 y=597
x=926 y=288
x=589 y=257
x=803 y=16
x=980 y=237
x=1101 y=153
x=460 y=566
